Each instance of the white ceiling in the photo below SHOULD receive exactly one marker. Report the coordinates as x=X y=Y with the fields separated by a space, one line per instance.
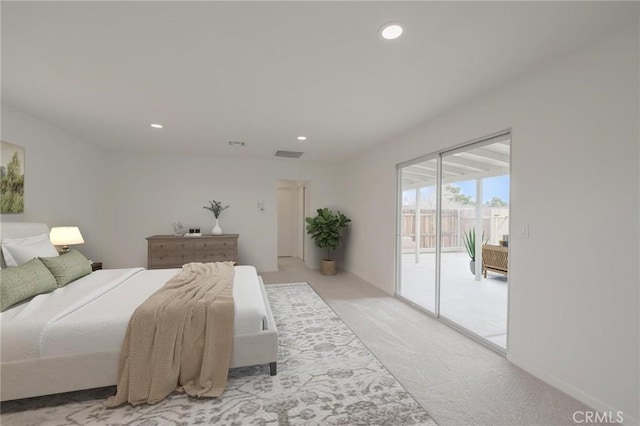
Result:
x=266 y=72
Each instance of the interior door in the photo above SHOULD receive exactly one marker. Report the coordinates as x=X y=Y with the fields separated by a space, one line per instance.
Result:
x=301 y=221
x=286 y=222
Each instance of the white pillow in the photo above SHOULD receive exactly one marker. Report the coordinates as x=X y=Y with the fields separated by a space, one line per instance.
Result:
x=17 y=251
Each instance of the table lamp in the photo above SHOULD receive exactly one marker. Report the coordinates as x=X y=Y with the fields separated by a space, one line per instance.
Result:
x=65 y=236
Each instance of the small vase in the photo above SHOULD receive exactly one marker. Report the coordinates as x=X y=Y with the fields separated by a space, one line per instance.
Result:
x=216 y=229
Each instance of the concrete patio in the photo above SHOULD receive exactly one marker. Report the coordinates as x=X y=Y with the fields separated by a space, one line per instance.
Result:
x=479 y=306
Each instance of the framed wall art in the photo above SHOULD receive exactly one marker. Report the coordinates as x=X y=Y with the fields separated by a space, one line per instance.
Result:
x=11 y=178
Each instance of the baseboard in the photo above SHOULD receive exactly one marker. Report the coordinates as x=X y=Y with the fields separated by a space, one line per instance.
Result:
x=570 y=390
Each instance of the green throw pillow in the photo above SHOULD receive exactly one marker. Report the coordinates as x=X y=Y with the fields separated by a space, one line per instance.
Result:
x=67 y=267
x=22 y=282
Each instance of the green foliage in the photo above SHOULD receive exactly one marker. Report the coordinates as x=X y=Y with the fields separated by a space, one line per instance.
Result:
x=469 y=240
x=12 y=187
x=215 y=207
x=325 y=229
x=496 y=202
x=454 y=195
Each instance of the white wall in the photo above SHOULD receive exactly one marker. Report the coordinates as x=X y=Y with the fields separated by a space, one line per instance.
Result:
x=64 y=179
x=148 y=192
x=574 y=300
x=119 y=199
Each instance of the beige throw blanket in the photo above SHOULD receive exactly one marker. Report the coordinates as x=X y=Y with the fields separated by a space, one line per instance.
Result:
x=180 y=338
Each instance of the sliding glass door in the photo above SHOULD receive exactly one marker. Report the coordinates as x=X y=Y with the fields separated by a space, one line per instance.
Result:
x=453 y=207
x=475 y=212
x=417 y=245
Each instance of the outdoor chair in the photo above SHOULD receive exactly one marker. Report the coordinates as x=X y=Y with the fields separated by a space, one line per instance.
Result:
x=495 y=259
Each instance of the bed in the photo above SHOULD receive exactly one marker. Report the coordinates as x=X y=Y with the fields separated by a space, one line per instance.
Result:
x=70 y=339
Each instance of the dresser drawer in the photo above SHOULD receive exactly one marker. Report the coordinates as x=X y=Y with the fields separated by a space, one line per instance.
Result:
x=169 y=251
x=169 y=259
x=215 y=245
x=215 y=256
x=170 y=246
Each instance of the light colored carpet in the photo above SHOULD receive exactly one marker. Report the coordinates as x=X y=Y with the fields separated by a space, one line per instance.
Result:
x=457 y=380
x=326 y=377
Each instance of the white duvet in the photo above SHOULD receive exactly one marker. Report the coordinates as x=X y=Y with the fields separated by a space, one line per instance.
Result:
x=91 y=314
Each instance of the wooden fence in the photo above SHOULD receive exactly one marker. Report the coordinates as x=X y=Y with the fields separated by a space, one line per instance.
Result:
x=495 y=223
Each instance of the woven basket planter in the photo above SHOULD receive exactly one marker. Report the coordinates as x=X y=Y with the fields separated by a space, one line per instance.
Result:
x=328 y=267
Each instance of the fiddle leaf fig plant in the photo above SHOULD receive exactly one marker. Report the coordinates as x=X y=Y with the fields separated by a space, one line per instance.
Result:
x=326 y=229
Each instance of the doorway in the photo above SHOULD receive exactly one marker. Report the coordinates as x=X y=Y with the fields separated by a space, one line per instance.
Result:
x=291 y=210
x=452 y=206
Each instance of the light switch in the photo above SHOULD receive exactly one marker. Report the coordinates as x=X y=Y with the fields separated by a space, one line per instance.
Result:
x=261 y=206
x=524 y=233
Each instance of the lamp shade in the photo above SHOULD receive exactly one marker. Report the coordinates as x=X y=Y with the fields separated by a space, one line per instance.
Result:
x=65 y=235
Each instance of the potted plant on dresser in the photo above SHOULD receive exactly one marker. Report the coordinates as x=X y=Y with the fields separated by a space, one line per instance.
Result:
x=326 y=231
x=216 y=208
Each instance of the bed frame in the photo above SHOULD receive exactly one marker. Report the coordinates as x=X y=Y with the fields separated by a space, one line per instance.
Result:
x=44 y=376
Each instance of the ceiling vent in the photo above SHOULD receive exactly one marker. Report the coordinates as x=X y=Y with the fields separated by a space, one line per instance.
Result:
x=289 y=154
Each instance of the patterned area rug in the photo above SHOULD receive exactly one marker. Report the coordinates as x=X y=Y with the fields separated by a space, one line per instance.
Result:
x=326 y=376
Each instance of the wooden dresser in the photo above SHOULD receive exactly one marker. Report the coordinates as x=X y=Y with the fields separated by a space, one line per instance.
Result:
x=170 y=251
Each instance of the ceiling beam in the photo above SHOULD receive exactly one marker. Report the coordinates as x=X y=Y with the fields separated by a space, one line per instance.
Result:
x=479 y=175
x=468 y=165
x=418 y=176
x=434 y=169
x=486 y=153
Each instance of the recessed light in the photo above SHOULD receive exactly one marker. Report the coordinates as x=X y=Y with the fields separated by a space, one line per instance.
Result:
x=391 y=31
x=157 y=126
x=302 y=138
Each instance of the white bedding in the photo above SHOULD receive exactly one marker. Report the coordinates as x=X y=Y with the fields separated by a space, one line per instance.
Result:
x=91 y=314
